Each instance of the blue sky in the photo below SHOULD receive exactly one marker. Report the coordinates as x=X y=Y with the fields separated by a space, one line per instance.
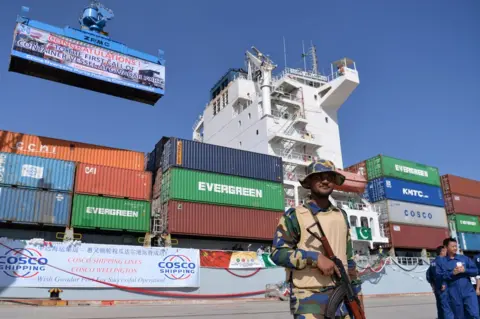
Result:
x=418 y=98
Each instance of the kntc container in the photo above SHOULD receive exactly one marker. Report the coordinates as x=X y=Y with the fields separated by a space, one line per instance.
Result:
x=397 y=189
x=466 y=223
x=196 y=219
x=36 y=172
x=112 y=181
x=110 y=213
x=195 y=186
x=416 y=237
x=359 y=168
x=456 y=204
x=468 y=241
x=218 y=159
x=385 y=166
x=460 y=185
x=30 y=206
x=25 y=144
x=415 y=214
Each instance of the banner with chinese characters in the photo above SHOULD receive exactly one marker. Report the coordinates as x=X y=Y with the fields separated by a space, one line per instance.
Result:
x=234 y=259
x=66 y=265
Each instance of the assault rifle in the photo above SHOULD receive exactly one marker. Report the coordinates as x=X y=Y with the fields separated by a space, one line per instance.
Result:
x=343 y=291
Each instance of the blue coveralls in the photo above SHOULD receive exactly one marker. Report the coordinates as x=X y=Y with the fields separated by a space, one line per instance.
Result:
x=476 y=258
x=440 y=296
x=460 y=291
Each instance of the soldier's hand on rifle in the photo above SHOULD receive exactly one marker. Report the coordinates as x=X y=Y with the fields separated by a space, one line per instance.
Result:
x=326 y=266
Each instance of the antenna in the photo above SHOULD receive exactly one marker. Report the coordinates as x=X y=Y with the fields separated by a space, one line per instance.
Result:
x=304 y=56
x=313 y=55
x=285 y=52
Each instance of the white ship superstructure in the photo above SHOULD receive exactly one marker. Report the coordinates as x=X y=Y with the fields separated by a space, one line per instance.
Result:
x=293 y=115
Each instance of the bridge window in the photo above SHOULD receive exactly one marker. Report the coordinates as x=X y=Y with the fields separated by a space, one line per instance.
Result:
x=364 y=221
x=374 y=231
x=353 y=221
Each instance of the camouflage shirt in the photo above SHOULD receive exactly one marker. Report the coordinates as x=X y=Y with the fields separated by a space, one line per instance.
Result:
x=287 y=235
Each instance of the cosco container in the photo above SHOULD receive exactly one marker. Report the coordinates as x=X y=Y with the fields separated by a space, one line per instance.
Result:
x=195 y=186
x=468 y=241
x=458 y=204
x=218 y=159
x=359 y=168
x=385 y=166
x=31 y=206
x=112 y=181
x=397 y=189
x=460 y=185
x=36 y=172
x=414 y=214
x=416 y=237
x=466 y=223
x=110 y=213
x=25 y=144
x=197 y=219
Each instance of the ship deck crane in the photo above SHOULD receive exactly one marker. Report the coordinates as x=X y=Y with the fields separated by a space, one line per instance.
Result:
x=262 y=65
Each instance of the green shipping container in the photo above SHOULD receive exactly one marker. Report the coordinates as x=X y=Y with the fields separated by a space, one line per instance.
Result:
x=466 y=223
x=110 y=213
x=196 y=186
x=380 y=166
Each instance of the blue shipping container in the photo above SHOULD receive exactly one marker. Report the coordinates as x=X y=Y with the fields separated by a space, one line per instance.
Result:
x=218 y=159
x=36 y=172
x=397 y=189
x=29 y=206
x=469 y=241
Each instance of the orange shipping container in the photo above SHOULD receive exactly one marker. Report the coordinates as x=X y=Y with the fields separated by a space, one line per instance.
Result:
x=113 y=182
x=354 y=183
x=32 y=145
x=460 y=185
x=419 y=237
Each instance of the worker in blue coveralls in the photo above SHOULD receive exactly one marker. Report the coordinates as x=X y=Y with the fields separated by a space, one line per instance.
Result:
x=476 y=258
x=455 y=271
x=436 y=282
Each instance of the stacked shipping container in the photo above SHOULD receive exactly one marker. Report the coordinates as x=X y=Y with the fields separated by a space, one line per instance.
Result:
x=213 y=191
x=462 y=203
x=38 y=189
x=410 y=193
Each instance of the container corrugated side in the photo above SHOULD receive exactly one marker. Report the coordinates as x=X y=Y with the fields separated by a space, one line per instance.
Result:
x=36 y=172
x=110 y=213
x=112 y=181
x=416 y=237
x=218 y=159
x=391 y=188
x=157 y=184
x=459 y=204
x=26 y=144
x=468 y=241
x=466 y=223
x=31 y=206
x=460 y=185
x=195 y=186
x=386 y=166
x=415 y=214
x=196 y=219
x=359 y=168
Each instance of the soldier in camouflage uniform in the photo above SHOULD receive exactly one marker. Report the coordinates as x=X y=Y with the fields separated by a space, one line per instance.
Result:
x=309 y=272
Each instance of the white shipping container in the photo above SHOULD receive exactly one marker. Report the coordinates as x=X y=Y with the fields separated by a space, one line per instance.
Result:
x=415 y=214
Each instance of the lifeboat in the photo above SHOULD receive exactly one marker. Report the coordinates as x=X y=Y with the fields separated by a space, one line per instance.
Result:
x=354 y=183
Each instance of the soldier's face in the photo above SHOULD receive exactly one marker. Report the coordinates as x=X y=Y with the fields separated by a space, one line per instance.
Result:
x=322 y=184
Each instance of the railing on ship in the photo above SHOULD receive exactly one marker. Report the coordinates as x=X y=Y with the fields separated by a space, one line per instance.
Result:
x=303 y=157
x=358 y=206
x=364 y=261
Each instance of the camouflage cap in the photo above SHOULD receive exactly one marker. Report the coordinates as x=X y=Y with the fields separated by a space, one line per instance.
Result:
x=322 y=166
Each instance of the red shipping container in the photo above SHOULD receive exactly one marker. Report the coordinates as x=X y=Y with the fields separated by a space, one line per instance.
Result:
x=157 y=184
x=354 y=183
x=32 y=145
x=113 y=182
x=186 y=218
x=416 y=237
x=359 y=168
x=460 y=185
x=459 y=204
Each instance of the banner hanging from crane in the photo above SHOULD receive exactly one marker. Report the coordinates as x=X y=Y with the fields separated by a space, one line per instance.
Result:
x=85 y=59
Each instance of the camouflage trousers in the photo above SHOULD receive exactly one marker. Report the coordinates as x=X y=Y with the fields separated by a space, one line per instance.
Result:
x=311 y=304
